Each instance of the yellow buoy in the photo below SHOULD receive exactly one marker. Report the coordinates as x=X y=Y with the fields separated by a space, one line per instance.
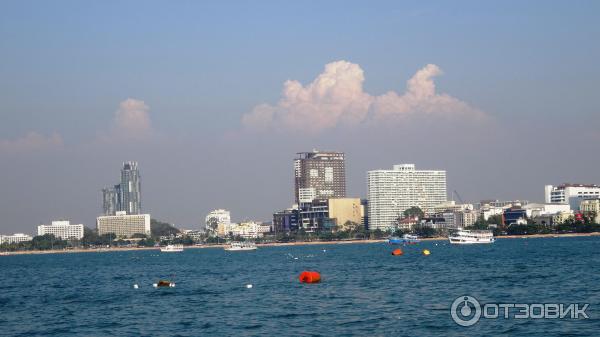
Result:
x=426 y=252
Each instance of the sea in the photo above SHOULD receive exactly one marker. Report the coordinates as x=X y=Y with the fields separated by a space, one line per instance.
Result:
x=365 y=291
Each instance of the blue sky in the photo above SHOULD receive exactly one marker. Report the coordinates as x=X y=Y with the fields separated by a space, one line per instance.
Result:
x=199 y=67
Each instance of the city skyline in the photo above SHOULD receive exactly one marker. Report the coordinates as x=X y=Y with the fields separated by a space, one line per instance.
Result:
x=213 y=102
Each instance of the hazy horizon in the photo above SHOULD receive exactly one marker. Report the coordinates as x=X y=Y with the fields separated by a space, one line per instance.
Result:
x=214 y=100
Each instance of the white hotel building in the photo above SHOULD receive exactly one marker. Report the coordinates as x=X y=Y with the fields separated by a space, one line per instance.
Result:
x=15 y=238
x=123 y=225
x=391 y=192
x=572 y=194
x=62 y=229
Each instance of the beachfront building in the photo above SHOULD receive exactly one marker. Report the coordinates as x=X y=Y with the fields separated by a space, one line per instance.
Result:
x=62 y=229
x=15 y=238
x=391 y=192
x=218 y=218
x=285 y=220
x=123 y=225
x=247 y=230
x=538 y=209
x=319 y=175
x=572 y=194
x=591 y=206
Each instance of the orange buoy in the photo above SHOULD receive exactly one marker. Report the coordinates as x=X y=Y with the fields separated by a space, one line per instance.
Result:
x=397 y=252
x=310 y=277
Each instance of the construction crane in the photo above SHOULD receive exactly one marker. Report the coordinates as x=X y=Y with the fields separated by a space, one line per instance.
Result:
x=458 y=196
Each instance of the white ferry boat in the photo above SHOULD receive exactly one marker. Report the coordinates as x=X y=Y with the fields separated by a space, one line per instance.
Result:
x=239 y=246
x=172 y=249
x=465 y=237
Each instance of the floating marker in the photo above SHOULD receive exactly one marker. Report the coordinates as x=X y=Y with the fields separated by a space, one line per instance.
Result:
x=309 y=277
x=397 y=252
x=426 y=252
x=164 y=284
x=135 y=286
x=249 y=286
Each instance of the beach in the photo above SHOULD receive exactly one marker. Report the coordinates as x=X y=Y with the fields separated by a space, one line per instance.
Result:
x=275 y=244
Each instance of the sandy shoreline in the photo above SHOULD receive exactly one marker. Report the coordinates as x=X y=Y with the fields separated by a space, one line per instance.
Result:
x=277 y=244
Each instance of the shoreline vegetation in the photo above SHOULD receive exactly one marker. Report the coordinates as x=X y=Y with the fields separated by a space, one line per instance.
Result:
x=277 y=244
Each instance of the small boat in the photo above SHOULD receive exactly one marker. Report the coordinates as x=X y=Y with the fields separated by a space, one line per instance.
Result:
x=172 y=249
x=405 y=239
x=239 y=246
x=465 y=237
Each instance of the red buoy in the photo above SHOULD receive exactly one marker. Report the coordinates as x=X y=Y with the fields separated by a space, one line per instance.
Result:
x=310 y=277
x=397 y=252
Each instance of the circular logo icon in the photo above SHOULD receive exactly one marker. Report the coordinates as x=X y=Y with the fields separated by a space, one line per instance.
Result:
x=465 y=310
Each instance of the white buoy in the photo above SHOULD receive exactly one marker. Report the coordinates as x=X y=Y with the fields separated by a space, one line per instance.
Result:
x=155 y=285
x=135 y=286
x=249 y=286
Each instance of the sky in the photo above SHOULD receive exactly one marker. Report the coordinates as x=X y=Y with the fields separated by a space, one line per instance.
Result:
x=215 y=98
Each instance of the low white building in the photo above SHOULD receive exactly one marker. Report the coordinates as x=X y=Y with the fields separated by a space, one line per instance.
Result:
x=248 y=230
x=123 y=225
x=15 y=238
x=536 y=209
x=62 y=229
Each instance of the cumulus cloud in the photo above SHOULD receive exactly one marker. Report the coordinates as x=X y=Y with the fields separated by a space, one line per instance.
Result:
x=132 y=118
x=336 y=97
x=131 y=122
x=31 y=142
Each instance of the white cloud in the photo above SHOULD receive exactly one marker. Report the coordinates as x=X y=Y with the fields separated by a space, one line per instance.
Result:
x=131 y=123
x=31 y=142
x=132 y=119
x=336 y=97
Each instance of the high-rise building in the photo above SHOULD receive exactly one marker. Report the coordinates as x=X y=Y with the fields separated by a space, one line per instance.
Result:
x=62 y=229
x=391 y=192
x=131 y=201
x=111 y=200
x=319 y=175
x=125 y=196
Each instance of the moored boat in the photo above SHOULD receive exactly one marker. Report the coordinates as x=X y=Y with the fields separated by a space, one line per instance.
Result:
x=240 y=246
x=172 y=249
x=405 y=239
x=465 y=237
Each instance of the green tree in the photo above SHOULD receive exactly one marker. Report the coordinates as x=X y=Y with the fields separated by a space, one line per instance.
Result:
x=414 y=211
x=159 y=228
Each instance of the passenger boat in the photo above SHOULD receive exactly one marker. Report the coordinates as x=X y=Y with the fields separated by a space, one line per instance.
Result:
x=172 y=249
x=465 y=237
x=240 y=246
x=405 y=239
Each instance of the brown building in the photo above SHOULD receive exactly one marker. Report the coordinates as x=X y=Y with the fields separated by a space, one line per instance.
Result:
x=319 y=175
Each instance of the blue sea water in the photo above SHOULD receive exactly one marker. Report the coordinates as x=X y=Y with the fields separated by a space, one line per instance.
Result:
x=365 y=290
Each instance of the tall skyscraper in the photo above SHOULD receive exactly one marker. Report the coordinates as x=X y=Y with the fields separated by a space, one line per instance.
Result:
x=111 y=199
x=131 y=188
x=319 y=175
x=391 y=192
x=125 y=196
